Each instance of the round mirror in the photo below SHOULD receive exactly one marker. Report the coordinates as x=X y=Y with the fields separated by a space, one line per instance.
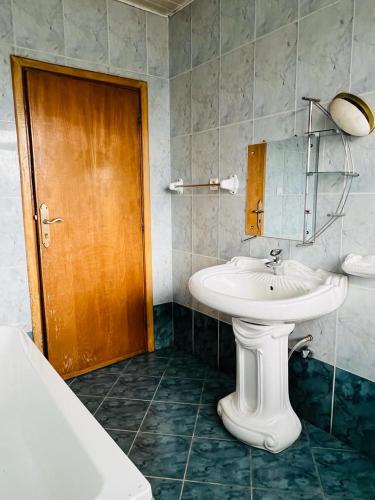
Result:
x=352 y=114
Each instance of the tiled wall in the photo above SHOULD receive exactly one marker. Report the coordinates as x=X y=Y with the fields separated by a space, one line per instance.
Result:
x=238 y=71
x=106 y=36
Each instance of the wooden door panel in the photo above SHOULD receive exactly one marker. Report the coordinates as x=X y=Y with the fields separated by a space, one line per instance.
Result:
x=256 y=167
x=87 y=168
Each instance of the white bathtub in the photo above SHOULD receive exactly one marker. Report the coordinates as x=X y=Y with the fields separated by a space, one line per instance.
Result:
x=51 y=447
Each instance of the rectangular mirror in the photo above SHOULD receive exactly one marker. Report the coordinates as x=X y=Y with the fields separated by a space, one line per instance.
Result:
x=277 y=187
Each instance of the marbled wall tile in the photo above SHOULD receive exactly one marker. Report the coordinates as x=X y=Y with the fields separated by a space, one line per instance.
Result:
x=159 y=149
x=345 y=474
x=6 y=22
x=38 y=24
x=353 y=412
x=180 y=41
x=181 y=222
x=294 y=466
x=202 y=262
x=85 y=25
x=205 y=159
x=358 y=281
x=10 y=184
x=236 y=85
x=162 y=275
x=163 y=325
x=14 y=297
x=180 y=92
x=161 y=248
x=363 y=151
x=216 y=386
x=310 y=388
x=205 y=22
x=181 y=158
x=331 y=158
x=205 y=225
x=358 y=234
x=127 y=36
x=324 y=51
x=12 y=248
x=205 y=96
x=234 y=141
x=308 y=6
x=181 y=275
x=11 y=208
x=275 y=72
x=320 y=439
x=232 y=227
x=114 y=70
x=183 y=327
x=157 y=45
x=325 y=253
x=302 y=116
x=260 y=247
x=356 y=340
x=227 y=349
x=272 y=14
x=323 y=331
x=206 y=338
x=237 y=23
x=159 y=118
x=75 y=63
x=184 y=365
x=363 y=65
x=274 y=128
x=159 y=134
x=6 y=94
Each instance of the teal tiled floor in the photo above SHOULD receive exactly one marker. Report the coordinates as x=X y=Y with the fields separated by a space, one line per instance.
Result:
x=161 y=410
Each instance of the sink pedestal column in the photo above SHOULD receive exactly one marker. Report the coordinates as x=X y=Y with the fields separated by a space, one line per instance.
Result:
x=259 y=412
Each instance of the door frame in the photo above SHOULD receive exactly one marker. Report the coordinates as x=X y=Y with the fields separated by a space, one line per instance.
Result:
x=19 y=66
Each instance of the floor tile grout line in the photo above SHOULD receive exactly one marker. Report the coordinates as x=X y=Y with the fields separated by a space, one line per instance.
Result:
x=198 y=482
x=314 y=462
x=107 y=393
x=148 y=408
x=174 y=435
x=191 y=443
x=251 y=472
x=146 y=400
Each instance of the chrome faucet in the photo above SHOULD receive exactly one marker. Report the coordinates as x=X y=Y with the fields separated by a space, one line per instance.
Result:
x=276 y=261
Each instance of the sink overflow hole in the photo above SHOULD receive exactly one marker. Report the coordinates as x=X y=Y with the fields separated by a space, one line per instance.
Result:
x=271 y=287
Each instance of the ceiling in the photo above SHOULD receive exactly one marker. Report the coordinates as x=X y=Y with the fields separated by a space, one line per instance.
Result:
x=162 y=7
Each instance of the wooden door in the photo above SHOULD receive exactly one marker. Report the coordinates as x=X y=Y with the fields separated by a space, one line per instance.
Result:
x=86 y=156
x=256 y=168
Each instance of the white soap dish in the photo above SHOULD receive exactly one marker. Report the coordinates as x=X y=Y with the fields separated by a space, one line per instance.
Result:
x=359 y=265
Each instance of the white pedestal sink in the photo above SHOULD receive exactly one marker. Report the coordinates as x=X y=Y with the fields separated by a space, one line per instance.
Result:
x=265 y=307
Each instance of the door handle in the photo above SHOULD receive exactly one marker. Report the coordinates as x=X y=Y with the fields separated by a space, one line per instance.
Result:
x=45 y=225
x=53 y=221
x=259 y=211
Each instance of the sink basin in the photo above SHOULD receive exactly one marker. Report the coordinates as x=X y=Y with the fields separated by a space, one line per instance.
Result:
x=265 y=303
x=246 y=288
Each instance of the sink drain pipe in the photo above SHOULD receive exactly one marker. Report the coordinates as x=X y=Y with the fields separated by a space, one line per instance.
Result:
x=305 y=340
